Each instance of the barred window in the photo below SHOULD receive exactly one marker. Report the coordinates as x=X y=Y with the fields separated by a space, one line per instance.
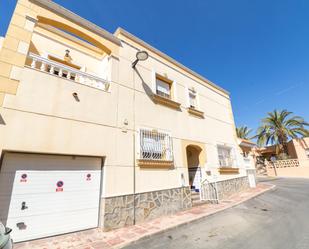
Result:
x=155 y=145
x=225 y=156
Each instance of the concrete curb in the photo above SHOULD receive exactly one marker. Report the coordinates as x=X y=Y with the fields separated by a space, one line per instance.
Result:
x=146 y=236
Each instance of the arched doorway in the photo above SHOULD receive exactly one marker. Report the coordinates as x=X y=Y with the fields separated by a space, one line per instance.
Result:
x=194 y=166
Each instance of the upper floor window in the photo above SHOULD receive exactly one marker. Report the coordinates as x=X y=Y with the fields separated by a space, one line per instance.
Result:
x=192 y=98
x=163 y=87
x=155 y=145
x=225 y=156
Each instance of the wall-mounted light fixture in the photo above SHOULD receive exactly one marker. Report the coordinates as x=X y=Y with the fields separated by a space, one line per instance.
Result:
x=140 y=56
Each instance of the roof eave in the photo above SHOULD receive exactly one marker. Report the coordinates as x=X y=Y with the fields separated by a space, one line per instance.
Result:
x=151 y=48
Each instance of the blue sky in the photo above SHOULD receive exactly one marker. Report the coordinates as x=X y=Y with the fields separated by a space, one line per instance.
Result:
x=256 y=49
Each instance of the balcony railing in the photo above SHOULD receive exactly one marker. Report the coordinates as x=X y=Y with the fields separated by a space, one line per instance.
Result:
x=57 y=69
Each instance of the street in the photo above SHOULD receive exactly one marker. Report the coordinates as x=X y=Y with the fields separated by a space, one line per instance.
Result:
x=278 y=219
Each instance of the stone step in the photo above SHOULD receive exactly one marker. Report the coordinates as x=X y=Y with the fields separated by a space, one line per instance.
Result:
x=195 y=197
x=198 y=203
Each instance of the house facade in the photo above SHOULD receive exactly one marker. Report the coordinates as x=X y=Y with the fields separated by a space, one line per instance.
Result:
x=297 y=165
x=87 y=140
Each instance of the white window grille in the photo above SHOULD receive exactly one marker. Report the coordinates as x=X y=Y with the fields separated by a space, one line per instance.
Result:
x=225 y=156
x=155 y=145
x=163 y=88
x=192 y=98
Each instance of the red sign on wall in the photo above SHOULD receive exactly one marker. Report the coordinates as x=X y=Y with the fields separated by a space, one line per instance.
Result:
x=23 y=178
x=59 y=186
x=88 y=177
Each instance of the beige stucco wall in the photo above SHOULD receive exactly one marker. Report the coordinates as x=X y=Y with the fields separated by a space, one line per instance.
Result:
x=302 y=171
x=43 y=116
x=300 y=146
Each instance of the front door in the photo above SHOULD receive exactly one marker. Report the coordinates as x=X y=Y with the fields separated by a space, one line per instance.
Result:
x=195 y=178
x=194 y=168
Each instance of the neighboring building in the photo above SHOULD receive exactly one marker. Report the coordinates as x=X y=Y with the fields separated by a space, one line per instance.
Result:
x=298 y=163
x=87 y=141
x=248 y=151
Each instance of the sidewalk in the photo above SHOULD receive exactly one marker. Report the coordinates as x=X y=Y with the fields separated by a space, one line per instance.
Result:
x=97 y=239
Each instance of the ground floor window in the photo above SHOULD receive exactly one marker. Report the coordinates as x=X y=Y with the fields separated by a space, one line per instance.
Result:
x=155 y=145
x=225 y=156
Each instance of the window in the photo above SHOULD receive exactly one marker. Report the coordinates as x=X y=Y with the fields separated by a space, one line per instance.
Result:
x=307 y=152
x=225 y=156
x=163 y=87
x=192 y=98
x=155 y=145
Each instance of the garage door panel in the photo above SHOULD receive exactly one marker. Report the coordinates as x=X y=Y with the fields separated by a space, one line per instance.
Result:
x=46 y=181
x=50 y=209
x=47 y=162
x=58 y=203
x=52 y=224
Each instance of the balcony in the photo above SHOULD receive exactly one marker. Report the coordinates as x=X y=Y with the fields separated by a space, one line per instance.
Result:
x=66 y=72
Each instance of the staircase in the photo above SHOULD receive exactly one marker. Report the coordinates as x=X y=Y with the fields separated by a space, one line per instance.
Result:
x=195 y=197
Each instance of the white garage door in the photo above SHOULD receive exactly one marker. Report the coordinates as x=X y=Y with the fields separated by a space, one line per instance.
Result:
x=44 y=195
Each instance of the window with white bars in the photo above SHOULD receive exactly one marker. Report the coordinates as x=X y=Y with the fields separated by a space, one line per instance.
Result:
x=225 y=156
x=163 y=88
x=155 y=145
x=192 y=98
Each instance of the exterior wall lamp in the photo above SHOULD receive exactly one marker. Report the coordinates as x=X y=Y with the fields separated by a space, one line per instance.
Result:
x=140 y=56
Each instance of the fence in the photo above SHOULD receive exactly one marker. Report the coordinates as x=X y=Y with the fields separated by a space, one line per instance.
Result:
x=209 y=191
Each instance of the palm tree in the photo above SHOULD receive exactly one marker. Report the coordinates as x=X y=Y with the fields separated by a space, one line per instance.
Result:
x=243 y=132
x=278 y=127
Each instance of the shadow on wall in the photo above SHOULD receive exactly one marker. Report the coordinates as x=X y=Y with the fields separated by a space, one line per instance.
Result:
x=2 y=122
x=147 y=89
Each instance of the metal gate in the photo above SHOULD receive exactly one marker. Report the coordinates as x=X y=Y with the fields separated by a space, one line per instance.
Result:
x=209 y=191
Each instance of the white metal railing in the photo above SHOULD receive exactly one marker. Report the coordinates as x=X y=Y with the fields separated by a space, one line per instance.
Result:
x=209 y=191
x=226 y=162
x=64 y=71
x=155 y=145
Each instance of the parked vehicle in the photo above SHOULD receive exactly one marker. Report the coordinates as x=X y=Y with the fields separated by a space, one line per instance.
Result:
x=5 y=239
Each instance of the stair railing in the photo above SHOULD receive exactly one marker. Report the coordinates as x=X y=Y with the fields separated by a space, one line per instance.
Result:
x=209 y=191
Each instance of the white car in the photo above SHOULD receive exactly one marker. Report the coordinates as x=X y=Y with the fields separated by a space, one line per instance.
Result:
x=5 y=239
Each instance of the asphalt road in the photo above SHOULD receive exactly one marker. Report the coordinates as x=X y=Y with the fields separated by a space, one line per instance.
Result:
x=278 y=219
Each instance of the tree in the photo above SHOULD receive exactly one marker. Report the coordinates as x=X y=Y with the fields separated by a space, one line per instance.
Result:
x=243 y=132
x=278 y=127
